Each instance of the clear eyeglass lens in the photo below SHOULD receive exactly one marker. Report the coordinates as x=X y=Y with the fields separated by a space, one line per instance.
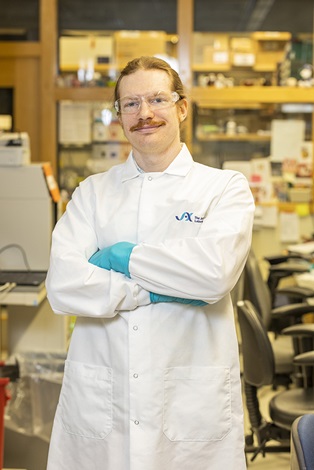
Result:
x=130 y=105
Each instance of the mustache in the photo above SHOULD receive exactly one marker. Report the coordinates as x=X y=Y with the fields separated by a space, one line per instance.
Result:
x=144 y=123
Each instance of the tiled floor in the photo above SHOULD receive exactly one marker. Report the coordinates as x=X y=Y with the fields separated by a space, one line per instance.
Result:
x=271 y=462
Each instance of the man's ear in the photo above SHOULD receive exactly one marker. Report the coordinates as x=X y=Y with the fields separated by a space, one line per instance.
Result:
x=120 y=119
x=183 y=109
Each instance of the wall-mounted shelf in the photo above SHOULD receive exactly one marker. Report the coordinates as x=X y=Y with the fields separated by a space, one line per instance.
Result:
x=233 y=138
x=97 y=67
x=255 y=94
x=206 y=96
x=84 y=94
x=211 y=68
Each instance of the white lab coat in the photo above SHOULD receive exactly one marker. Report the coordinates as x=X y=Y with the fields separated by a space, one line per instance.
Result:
x=151 y=386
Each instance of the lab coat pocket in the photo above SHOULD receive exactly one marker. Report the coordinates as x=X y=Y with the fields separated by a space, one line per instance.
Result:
x=86 y=400
x=197 y=403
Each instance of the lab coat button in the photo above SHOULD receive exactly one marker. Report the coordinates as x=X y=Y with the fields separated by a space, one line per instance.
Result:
x=135 y=327
x=136 y=422
x=135 y=376
x=150 y=178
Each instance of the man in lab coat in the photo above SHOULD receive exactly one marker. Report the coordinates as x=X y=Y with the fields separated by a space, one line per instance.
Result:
x=145 y=257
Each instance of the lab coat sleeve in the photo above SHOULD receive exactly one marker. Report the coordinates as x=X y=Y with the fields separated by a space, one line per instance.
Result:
x=77 y=287
x=206 y=266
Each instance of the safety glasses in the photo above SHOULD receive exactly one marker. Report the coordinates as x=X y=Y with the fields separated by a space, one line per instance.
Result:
x=156 y=101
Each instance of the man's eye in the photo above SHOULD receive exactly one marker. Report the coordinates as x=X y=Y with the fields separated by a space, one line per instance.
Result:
x=158 y=100
x=131 y=104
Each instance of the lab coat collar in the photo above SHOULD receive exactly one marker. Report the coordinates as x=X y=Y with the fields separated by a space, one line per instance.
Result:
x=180 y=166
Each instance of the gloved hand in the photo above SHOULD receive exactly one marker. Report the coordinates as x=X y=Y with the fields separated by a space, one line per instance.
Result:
x=114 y=257
x=155 y=298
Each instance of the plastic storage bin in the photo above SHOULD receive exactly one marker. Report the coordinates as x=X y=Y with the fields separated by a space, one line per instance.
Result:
x=35 y=393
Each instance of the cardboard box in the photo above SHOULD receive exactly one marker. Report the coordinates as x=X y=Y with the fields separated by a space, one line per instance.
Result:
x=132 y=44
x=81 y=52
x=242 y=51
x=210 y=49
x=270 y=49
x=242 y=44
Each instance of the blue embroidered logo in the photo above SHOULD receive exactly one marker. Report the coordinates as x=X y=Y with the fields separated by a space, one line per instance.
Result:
x=185 y=216
x=189 y=217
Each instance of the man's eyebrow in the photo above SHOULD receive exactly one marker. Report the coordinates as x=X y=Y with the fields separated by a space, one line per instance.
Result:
x=151 y=93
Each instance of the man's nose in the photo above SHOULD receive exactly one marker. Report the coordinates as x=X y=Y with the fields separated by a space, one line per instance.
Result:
x=145 y=110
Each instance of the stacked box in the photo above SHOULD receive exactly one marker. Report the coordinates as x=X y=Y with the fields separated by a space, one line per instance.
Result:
x=132 y=44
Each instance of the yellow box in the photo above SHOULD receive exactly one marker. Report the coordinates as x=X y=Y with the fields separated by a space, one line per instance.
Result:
x=80 y=52
x=132 y=44
x=242 y=44
x=242 y=53
x=210 y=52
x=269 y=49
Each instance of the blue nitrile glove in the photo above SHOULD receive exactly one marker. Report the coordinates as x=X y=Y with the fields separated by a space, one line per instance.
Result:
x=114 y=257
x=155 y=298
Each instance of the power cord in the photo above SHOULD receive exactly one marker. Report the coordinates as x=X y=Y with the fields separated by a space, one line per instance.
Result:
x=21 y=249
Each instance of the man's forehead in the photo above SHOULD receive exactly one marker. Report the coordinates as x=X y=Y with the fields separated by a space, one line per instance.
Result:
x=145 y=81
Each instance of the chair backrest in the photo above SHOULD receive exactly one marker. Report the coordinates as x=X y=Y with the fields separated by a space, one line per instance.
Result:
x=257 y=352
x=302 y=443
x=256 y=290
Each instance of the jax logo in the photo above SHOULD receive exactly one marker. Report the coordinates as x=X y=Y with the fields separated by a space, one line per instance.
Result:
x=185 y=216
x=190 y=217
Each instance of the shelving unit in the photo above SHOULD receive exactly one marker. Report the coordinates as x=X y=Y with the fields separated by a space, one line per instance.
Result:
x=253 y=100
x=205 y=95
x=244 y=95
x=83 y=94
x=232 y=138
x=249 y=98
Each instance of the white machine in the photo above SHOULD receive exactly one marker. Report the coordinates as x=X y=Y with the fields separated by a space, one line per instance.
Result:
x=26 y=223
x=26 y=218
x=14 y=149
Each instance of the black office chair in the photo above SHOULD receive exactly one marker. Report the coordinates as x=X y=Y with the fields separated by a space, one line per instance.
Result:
x=259 y=371
x=283 y=266
x=302 y=443
x=275 y=319
x=257 y=291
